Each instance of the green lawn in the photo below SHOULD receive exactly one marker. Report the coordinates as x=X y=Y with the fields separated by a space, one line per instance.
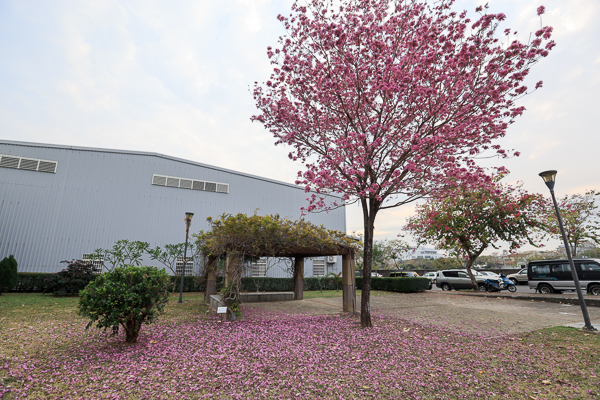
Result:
x=189 y=353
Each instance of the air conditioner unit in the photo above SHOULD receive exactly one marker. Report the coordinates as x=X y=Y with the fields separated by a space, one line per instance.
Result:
x=331 y=259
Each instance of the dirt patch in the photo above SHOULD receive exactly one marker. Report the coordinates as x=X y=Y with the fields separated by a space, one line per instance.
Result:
x=457 y=312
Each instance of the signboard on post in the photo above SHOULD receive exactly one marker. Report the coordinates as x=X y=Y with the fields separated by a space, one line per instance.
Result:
x=221 y=310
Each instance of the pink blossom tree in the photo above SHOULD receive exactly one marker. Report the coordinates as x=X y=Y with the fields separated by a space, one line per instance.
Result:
x=388 y=102
x=467 y=221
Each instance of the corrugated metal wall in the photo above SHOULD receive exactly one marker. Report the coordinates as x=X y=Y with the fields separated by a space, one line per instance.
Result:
x=99 y=196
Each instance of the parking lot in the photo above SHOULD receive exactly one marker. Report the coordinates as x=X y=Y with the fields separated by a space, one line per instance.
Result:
x=520 y=289
x=456 y=311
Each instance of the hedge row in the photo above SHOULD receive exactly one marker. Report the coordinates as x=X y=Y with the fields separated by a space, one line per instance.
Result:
x=37 y=282
x=32 y=282
x=400 y=285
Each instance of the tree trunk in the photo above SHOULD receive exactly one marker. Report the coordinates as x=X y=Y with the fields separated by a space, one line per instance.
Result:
x=210 y=287
x=369 y=212
x=132 y=331
x=468 y=265
x=470 y=261
x=298 y=278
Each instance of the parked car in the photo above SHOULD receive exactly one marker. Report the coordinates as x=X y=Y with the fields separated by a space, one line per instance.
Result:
x=489 y=274
x=407 y=274
x=554 y=276
x=431 y=275
x=403 y=274
x=376 y=275
x=520 y=278
x=459 y=279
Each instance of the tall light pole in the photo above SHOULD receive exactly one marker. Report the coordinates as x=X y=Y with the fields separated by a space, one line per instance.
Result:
x=188 y=222
x=549 y=178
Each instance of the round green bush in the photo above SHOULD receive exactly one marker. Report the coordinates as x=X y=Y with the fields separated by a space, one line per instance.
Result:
x=127 y=297
x=8 y=273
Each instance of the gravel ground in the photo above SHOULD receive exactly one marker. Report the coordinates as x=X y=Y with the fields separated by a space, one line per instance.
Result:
x=453 y=311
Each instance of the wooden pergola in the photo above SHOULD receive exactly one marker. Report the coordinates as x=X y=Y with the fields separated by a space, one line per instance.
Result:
x=233 y=260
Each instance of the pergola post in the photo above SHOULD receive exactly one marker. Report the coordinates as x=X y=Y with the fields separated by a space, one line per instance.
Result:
x=348 y=282
x=298 y=278
x=211 y=279
x=231 y=262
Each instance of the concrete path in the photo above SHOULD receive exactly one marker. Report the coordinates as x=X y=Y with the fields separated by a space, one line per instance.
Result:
x=454 y=311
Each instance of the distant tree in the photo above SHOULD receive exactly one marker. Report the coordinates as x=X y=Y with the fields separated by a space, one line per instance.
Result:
x=123 y=253
x=447 y=263
x=168 y=256
x=386 y=252
x=337 y=279
x=466 y=222
x=387 y=102
x=8 y=274
x=581 y=219
x=419 y=263
x=591 y=253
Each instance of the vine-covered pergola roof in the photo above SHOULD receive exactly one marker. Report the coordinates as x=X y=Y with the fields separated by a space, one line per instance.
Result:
x=271 y=236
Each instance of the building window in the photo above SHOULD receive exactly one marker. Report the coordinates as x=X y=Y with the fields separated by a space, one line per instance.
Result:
x=189 y=268
x=319 y=267
x=259 y=268
x=97 y=262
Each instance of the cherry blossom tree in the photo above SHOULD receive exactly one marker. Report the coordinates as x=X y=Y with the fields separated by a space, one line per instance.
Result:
x=465 y=222
x=387 y=101
x=581 y=219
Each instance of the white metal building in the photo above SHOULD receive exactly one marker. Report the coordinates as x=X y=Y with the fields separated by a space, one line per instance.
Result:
x=421 y=252
x=61 y=202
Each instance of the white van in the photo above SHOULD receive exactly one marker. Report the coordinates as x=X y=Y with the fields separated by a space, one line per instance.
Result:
x=554 y=276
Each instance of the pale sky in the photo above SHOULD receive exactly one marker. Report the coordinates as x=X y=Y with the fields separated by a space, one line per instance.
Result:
x=175 y=78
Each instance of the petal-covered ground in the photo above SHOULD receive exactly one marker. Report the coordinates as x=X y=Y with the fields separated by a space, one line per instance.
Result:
x=277 y=356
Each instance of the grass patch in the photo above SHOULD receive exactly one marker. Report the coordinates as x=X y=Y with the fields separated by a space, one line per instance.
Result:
x=45 y=352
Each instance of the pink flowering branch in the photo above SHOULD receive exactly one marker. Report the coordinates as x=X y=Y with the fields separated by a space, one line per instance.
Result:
x=386 y=104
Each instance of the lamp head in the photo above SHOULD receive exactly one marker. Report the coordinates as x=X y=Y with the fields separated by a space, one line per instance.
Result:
x=188 y=217
x=549 y=178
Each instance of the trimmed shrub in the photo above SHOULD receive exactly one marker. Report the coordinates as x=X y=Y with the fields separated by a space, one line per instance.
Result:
x=32 y=282
x=267 y=284
x=70 y=280
x=190 y=283
x=126 y=297
x=8 y=274
x=400 y=285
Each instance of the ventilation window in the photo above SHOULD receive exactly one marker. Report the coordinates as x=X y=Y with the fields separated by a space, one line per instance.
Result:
x=97 y=262
x=173 y=182
x=318 y=267
x=259 y=268
x=47 y=166
x=159 y=180
x=186 y=183
x=9 y=162
x=198 y=185
x=27 y=164
x=189 y=266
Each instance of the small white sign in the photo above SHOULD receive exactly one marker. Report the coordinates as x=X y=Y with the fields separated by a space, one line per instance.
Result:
x=221 y=310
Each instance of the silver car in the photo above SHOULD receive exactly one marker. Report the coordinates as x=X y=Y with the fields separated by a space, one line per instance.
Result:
x=432 y=276
x=520 y=278
x=459 y=279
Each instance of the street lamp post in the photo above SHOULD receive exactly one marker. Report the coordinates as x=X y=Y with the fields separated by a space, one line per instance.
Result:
x=188 y=221
x=549 y=179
